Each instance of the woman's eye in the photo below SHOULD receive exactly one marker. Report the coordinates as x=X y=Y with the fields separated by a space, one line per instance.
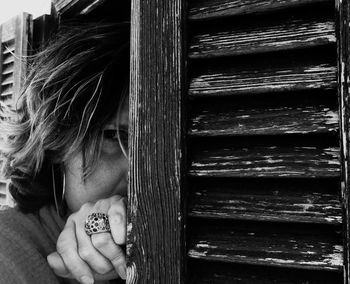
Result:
x=110 y=134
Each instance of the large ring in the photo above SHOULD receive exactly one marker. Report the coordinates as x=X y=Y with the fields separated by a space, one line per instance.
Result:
x=97 y=223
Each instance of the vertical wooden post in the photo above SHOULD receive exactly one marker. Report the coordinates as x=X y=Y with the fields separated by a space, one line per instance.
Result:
x=155 y=246
x=343 y=47
x=23 y=36
x=1 y=51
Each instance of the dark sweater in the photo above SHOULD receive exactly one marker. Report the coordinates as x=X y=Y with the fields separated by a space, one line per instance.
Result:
x=25 y=242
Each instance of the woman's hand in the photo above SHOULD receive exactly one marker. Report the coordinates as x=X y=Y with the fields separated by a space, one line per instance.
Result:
x=98 y=257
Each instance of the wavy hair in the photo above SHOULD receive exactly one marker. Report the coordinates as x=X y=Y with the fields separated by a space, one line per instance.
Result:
x=73 y=88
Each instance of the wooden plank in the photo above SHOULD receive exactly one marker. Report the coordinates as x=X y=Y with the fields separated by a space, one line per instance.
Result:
x=343 y=40
x=155 y=205
x=69 y=8
x=206 y=9
x=43 y=28
x=204 y=272
x=263 y=77
x=284 y=34
x=23 y=39
x=266 y=161
x=232 y=119
x=295 y=201
x=303 y=247
x=1 y=57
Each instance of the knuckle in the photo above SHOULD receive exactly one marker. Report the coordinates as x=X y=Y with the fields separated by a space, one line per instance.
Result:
x=118 y=259
x=102 y=269
x=99 y=203
x=84 y=253
x=117 y=218
x=62 y=245
x=101 y=240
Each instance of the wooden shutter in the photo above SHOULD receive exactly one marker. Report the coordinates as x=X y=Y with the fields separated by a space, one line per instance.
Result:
x=266 y=150
x=15 y=44
x=265 y=189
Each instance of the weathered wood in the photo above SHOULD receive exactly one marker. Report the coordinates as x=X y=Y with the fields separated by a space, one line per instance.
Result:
x=1 y=57
x=298 y=200
x=23 y=39
x=343 y=40
x=266 y=161
x=155 y=242
x=306 y=247
x=44 y=26
x=231 y=119
x=206 y=9
x=204 y=272
x=265 y=76
x=264 y=36
x=75 y=7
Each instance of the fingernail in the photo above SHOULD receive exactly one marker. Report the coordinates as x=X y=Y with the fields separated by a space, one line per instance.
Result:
x=86 y=280
x=122 y=271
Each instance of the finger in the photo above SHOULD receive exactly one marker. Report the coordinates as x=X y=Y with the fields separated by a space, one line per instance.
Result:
x=108 y=276
x=117 y=219
x=67 y=249
x=56 y=263
x=105 y=244
x=89 y=253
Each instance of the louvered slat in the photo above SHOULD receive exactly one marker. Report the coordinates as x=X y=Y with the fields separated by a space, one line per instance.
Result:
x=223 y=273
x=206 y=9
x=266 y=161
x=8 y=59
x=231 y=119
x=262 y=37
x=301 y=201
x=7 y=80
x=7 y=91
x=305 y=247
x=229 y=79
x=8 y=68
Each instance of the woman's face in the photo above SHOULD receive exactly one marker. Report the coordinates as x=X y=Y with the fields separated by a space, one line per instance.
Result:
x=109 y=176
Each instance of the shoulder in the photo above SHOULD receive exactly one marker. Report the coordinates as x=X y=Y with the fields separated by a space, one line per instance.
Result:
x=23 y=249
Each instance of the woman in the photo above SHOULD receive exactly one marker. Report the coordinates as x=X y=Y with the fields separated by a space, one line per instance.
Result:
x=65 y=153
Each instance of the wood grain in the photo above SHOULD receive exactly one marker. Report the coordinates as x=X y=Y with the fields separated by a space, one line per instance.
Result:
x=343 y=36
x=1 y=57
x=208 y=272
x=295 y=201
x=284 y=34
x=69 y=8
x=230 y=79
x=302 y=247
x=266 y=161
x=206 y=9
x=155 y=243
x=232 y=119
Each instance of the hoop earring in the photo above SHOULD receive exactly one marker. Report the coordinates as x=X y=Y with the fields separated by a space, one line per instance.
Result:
x=58 y=205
